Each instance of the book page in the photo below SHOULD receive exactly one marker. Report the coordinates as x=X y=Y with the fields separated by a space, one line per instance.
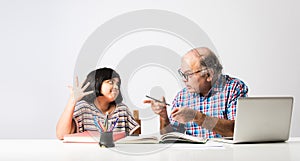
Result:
x=138 y=140
x=180 y=137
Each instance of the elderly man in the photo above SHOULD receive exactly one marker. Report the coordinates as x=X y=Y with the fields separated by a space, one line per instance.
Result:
x=206 y=107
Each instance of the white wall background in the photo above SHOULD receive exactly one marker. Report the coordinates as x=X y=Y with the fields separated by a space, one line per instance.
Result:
x=257 y=41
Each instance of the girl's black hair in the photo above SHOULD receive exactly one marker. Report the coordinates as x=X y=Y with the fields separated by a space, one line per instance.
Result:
x=96 y=78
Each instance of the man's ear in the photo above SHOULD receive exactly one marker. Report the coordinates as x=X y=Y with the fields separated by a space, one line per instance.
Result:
x=210 y=75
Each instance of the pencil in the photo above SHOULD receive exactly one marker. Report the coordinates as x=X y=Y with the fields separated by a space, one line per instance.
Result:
x=157 y=100
x=102 y=127
x=97 y=124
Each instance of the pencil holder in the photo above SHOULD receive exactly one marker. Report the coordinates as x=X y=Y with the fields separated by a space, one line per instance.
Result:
x=106 y=140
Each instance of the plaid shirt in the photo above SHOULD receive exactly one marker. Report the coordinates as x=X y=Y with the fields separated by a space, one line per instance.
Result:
x=220 y=102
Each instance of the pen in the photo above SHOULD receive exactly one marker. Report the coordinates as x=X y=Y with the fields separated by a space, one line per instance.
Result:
x=157 y=100
x=106 y=122
x=113 y=126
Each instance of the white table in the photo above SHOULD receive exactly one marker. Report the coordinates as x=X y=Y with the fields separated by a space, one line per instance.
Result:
x=55 y=150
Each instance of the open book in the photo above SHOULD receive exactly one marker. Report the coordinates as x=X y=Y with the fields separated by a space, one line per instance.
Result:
x=90 y=137
x=172 y=137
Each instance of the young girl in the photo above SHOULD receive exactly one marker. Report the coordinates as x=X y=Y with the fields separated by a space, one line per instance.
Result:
x=98 y=97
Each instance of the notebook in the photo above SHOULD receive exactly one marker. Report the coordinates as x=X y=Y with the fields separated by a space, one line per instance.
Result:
x=261 y=119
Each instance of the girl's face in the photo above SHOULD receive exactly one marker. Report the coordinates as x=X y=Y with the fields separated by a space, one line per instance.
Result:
x=110 y=89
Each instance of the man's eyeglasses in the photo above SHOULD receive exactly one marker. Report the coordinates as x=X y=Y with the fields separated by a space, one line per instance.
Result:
x=187 y=75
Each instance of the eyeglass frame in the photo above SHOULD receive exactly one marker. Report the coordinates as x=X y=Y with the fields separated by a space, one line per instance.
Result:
x=187 y=75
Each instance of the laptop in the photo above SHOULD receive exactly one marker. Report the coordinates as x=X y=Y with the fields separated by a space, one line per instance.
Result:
x=261 y=119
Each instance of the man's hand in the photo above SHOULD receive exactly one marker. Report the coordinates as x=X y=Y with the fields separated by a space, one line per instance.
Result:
x=183 y=115
x=158 y=108
x=77 y=92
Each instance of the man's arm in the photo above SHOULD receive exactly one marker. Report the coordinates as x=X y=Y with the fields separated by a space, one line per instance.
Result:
x=221 y=126
x=165 y=126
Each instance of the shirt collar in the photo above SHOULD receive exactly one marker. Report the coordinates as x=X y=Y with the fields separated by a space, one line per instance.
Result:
x=218 y=86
